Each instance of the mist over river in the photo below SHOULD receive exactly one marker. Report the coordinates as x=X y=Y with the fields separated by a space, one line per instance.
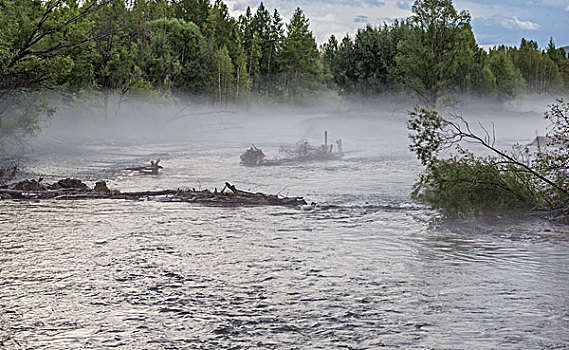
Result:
x=372 y=269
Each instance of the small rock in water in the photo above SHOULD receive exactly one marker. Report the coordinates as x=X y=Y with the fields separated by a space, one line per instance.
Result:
x=29 y=185
x=68 y=183
x=101 y=186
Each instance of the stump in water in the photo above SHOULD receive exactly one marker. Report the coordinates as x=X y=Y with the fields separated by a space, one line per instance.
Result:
x=253 y=156
x=101 y=186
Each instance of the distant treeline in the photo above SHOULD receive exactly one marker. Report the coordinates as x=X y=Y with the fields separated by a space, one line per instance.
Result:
x=123 y=48
x=385 y=59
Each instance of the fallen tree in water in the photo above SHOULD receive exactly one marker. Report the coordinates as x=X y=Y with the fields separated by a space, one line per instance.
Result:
x=73 y=189
x=464 y=184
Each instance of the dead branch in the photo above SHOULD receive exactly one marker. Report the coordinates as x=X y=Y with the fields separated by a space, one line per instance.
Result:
x=36 y=35
x=461 y=134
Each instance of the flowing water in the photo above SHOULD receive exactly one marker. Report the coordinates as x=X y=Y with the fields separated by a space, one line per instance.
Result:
x=372 y=270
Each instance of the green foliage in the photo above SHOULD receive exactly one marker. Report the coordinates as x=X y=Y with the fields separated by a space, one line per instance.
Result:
x=541 y=74
x=329 y=51
x=299 y=56
x=22 y=118
x=374 y=56
x=506 y=77
x=427 y=139
x=225 y=72
x=195 y=11
x=38 y=43
x=465 y=186
x=175 y=56
x=434 y=48
x=462 y=184
x=343 y=66
x=117 y=48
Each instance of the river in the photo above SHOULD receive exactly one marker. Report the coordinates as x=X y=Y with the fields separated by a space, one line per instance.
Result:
x=372 y=270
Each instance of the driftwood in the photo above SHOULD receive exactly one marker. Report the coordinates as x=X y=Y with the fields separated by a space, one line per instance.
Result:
x=304 y=152
x=229 y=195
x=152 y=169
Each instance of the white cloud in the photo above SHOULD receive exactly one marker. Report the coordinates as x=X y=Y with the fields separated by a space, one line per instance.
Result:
x=515 y=23
x=327 y=17
x=567 y=8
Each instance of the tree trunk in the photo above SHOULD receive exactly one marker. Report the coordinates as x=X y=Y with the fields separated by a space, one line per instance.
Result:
x=237 y=86
x=219 y=81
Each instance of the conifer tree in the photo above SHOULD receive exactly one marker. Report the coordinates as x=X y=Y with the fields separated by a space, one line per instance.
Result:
x=299 y=56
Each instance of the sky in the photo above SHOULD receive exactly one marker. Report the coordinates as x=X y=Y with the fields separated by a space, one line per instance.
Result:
x=495 y=22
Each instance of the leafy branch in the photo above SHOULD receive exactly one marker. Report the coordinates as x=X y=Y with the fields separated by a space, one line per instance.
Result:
x=459 y=182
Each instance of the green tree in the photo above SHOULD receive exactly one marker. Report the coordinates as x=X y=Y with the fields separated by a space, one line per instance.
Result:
x=539 y=71
x=262 y=38
x=242 y=80
x=299 y=56
x=261 y=24
x=374 y=58
x=343 y=66
x=225 y=70
x=274 y=47
x=431 y=52
x=114 y=62
x=195 y=11
x=149 y=10
x=223 y=30
x=37 y=44
x=465 y=184
x=176 y=57
x=329 y=51
x=505 y=73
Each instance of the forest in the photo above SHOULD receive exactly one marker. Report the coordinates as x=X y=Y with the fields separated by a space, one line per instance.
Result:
x=72 y=50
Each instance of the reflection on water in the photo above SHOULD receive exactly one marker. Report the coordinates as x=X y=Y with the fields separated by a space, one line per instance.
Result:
x=373 y=269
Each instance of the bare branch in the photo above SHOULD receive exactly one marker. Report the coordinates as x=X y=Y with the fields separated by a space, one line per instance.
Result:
x=48 y=53
x=36 y=36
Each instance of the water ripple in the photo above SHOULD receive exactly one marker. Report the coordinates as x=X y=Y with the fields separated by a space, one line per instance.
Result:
x=370 y=269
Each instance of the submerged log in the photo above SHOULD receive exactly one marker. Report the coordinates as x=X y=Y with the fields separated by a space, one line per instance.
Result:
x=101 y=191
x=153 y=168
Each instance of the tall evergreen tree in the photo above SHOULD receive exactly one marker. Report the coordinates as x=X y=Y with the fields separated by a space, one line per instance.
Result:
x=299 y=56
x=329 y=51
x=374 y=56
x=276 y=36
x=343 y=66
x=196 y=11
